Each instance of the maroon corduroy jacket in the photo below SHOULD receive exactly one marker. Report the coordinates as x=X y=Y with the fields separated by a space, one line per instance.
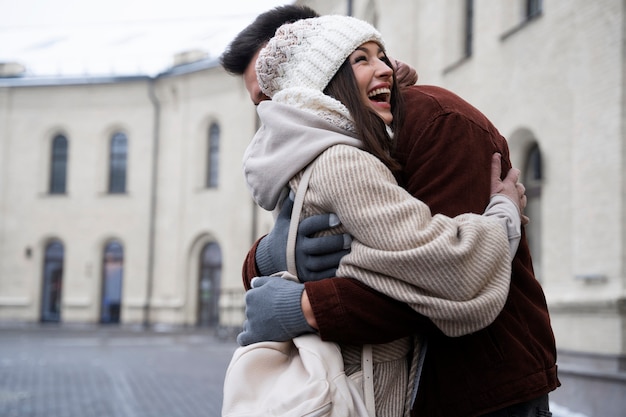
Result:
x=445 y=147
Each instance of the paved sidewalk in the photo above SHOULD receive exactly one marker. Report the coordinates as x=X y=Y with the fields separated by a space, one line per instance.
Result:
x=93 y=371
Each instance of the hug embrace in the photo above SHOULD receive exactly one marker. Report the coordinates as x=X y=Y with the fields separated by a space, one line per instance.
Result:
x=446 y=299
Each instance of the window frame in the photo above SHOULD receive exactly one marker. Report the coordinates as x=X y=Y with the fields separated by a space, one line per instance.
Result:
x=534 y=8
x=118 y=163
x=112 y=282
x=213 y=156
x=211 y=261
x=59 y=155
x=468 y=47
x=52 y=281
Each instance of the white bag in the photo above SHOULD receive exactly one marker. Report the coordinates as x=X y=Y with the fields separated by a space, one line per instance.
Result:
x=301 y=377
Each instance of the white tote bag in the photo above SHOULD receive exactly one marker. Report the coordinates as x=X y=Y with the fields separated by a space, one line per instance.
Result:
x=300 y=377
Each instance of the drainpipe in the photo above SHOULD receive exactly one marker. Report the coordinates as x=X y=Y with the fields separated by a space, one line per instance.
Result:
x=153 y=200
x=349 y=7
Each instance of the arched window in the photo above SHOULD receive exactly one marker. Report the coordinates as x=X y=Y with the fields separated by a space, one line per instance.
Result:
x=58 y=165
x=112 y=277
x=52 y=282
x=118 y=156
x=533 y=178
x=209 y=284
x=213 y=157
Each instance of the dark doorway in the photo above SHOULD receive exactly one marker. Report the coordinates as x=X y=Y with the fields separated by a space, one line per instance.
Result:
x=112 y=278
x=52 y=282
x=209 y=284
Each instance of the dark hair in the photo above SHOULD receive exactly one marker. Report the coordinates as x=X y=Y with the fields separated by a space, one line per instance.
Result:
x=242 y=49
x=370 y=128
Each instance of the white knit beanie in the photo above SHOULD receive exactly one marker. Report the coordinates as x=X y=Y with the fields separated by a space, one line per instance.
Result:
x=309 y=52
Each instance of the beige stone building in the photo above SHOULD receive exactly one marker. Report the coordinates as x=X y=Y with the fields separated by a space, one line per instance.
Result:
x=123 y=199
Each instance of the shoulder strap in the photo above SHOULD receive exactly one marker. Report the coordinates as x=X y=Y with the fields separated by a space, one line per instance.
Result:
x=295 y=219
x=367 y=362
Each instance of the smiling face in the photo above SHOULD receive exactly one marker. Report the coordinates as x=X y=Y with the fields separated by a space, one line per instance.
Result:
x=374 y=76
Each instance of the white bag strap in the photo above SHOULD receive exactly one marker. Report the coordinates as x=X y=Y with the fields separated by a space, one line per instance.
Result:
x=367 y=365
x=367 y=361
x=295 y=219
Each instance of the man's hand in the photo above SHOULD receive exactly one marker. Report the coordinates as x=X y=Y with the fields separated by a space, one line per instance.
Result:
x=316 y=257
x=509 y=187
x=273 y=311
x=406 y=75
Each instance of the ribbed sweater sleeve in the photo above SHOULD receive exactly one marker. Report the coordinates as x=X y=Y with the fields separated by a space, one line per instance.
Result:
x=456 y=271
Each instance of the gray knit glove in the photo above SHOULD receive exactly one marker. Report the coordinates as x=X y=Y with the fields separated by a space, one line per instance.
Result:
x=316 y=257
x=273 y=311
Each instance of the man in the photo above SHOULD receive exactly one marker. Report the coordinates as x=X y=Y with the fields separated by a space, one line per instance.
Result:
x=505 y=369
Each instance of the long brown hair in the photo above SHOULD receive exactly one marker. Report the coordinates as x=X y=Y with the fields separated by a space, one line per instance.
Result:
x=370 y=128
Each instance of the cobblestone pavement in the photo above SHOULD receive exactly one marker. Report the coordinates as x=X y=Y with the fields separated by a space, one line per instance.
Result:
x=61 y=371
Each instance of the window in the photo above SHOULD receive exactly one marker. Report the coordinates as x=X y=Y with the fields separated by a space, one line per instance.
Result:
x=534 y=169
x=213 y=156
x=52 y=282
x=533 y=177
x=58 y=165
x=533 y=8
x=458 y=41
x=118 y=155
x=209 y=284
x=519 y=14
x=469 y=27
x=113 y=272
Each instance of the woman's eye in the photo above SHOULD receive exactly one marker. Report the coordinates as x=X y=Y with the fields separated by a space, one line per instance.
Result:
x=359 y=58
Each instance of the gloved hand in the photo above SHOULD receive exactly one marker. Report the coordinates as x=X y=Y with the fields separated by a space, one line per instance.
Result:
x=316 y=257
x=273 y=311
x=406 y=75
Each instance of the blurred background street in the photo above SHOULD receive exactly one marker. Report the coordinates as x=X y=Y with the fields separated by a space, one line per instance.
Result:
x=65 y=371
x=52 y=370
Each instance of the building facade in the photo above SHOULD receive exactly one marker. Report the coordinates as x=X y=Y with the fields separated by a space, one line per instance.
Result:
x=122 y=200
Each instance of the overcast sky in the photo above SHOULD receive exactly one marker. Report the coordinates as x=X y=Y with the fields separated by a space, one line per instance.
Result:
x=117 y=37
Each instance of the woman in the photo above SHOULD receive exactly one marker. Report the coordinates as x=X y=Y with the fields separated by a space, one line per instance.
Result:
x=339 y=113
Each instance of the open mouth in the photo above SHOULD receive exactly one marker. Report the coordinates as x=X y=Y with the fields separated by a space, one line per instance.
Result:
x=380 y=95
